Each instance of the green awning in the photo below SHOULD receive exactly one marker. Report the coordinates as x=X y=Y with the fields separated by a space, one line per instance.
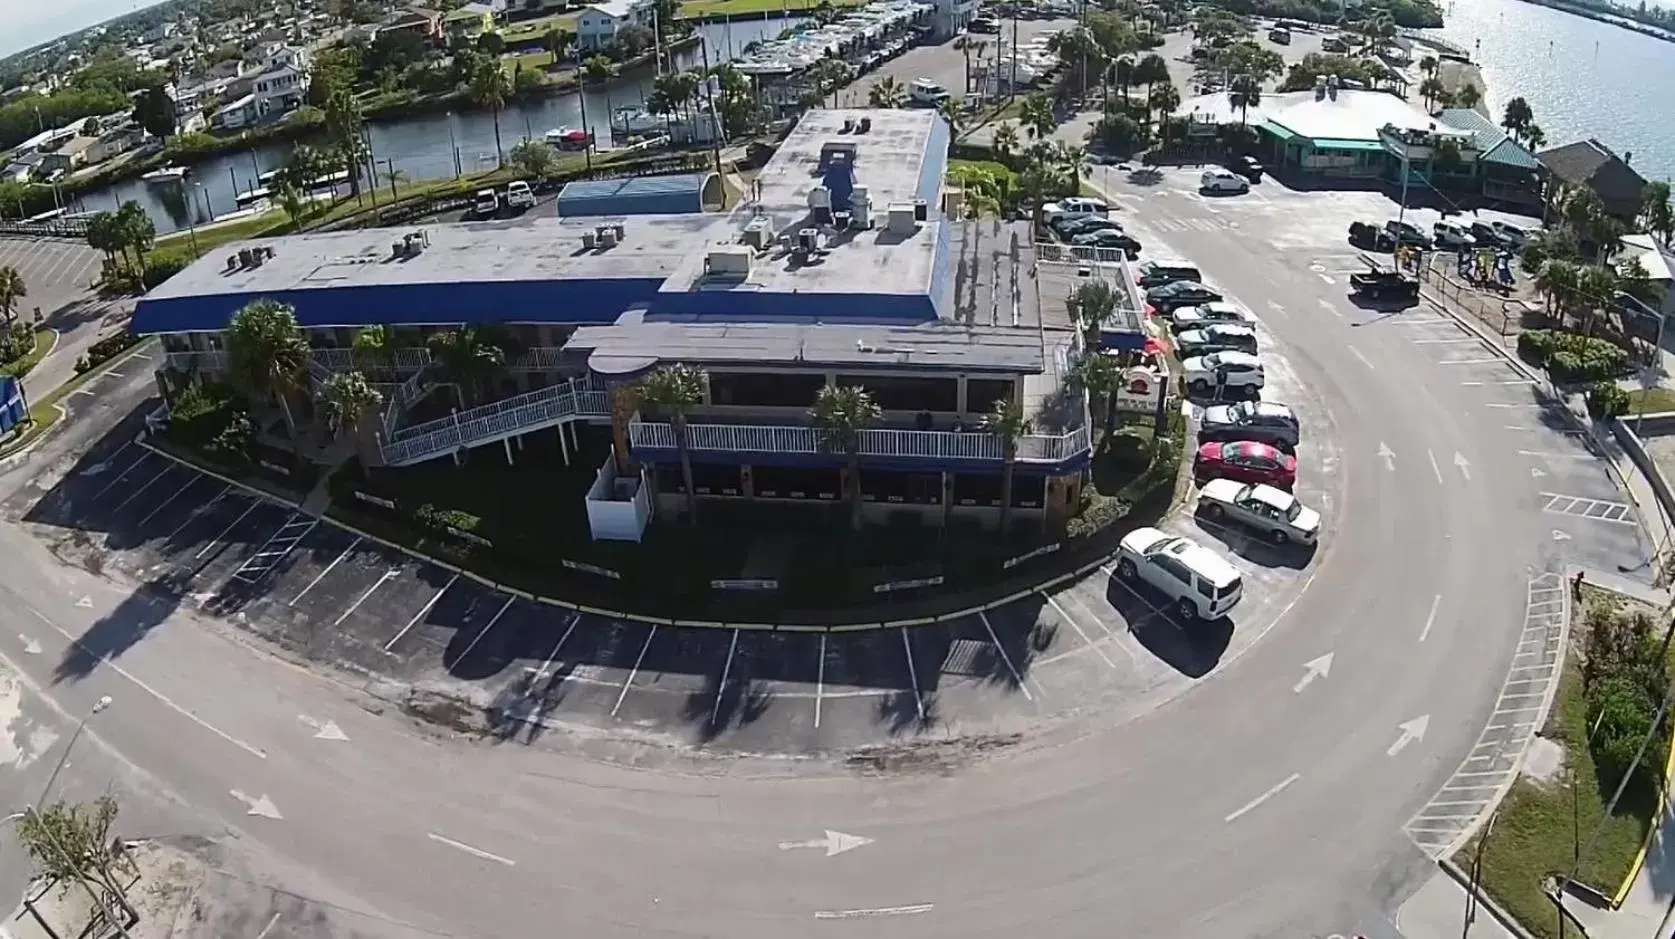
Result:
x=1358 y=145
x=1277 y=130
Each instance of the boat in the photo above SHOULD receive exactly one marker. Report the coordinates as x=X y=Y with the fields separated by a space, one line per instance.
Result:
x=631 y=120
x=568 y=138
x=165 y=176
x=328 y=179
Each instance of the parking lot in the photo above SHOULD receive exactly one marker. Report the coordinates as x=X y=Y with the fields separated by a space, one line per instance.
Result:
x=945 y=63
x=333 y=599
x=56 y=270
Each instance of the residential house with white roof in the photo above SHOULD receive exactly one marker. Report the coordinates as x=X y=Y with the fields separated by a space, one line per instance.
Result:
x=283 y=82
x=1659 y=261
x=597 y=24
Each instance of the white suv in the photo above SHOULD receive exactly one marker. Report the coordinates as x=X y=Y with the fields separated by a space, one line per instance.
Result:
x=1240 y=372
x=1199 y=582
x=519 y=195
x=1074 y=207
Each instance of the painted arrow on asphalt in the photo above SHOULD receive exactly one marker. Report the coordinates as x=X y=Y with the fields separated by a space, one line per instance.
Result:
x=1463 y=465
x=324 y=730
x=1536 y=473
x=85 y=603
x=258 y=805
x=835 y=842
x=1388 y=454
x=1412 y=731
x=30 y=646
x=1316 y=668
x=95 y=469
x=1560 y=535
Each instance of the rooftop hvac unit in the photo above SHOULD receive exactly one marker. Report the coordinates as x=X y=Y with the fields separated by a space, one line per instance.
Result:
x=808 y=240
x=848 y=125
x=607 y=236
x=901 y=218
x=953 y=203
x=244 y=257
x=865 y=125
x=860 y=207
x=232 y=262
x=590 y=240
x=729 y=261
x=759 y=234
x=398 y=249
x=921 y=211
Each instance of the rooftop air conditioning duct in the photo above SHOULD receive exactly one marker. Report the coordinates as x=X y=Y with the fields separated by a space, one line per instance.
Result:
x=860 y=207
x=758 y=234
x=729 y=261
x=953 y=203
x=244 y=258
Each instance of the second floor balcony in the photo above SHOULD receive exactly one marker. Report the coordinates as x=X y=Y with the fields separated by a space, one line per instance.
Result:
x=1066 y=450
x=401 y=362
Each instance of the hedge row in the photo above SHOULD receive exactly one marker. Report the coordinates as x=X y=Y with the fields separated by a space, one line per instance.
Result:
x=1571 y=357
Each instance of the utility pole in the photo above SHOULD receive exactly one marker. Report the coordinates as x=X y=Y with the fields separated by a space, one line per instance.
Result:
x=710 y=82
x=1476 y=876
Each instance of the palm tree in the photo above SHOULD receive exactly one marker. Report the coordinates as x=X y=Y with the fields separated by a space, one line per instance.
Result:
x=12 y=289
x=395 y=176
x=267 y=354
x=347 y=398
x=1556 y=281
x=1091 y=306
x=1007 y=423
x=841 y=413
x=886 y=93
x=137 y=231
x=1428 y=64
x=1596 y=290
x=1096 y=375
x=970 y=46
x=676 y=390
x=375 y=346
x=471 y=356
x=1151 y=71
x=1430 y=90
x=1468 y=96
x=1244 y=93
x=103 y=234
x=1163 y=99
x=1657 y=214
x=1517 y=117
x=953 y=112
x=1037 y=117
x=490 y=88
x=1005 y=140
x=1075 y=162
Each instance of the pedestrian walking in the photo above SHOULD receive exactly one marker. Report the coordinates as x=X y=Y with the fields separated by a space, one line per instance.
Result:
x=1576 y=588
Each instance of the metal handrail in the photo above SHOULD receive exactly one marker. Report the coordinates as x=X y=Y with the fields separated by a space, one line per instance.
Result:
x=520 y=414
x=930 y=444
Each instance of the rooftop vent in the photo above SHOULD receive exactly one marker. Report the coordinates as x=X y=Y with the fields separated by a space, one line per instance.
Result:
x=901 y=218
x=865 y=126
x=729 y=261
x=233 y=262
x=848 y=125
x=759 y=235
x=609 y=235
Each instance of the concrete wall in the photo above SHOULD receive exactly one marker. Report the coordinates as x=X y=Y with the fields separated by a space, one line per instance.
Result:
x=1632 y=444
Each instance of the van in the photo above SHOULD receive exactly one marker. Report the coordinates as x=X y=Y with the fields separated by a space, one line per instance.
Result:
x=926 y=93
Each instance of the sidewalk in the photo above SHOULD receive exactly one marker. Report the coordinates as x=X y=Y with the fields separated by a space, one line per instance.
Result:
x=1438 y=911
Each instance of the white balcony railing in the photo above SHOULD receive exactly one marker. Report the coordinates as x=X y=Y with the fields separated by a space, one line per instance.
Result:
x=926 y=444
x=493 y=422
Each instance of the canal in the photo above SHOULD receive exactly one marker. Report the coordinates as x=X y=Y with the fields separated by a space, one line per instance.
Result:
x=425 y=147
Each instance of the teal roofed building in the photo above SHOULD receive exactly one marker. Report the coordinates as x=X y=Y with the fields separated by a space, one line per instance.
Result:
x=1506 y=171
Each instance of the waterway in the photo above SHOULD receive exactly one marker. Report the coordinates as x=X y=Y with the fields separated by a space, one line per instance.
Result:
x=422 y=147
x=1581 y=77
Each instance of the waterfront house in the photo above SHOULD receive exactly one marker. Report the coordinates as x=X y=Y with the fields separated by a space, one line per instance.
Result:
x=113 y=143
x=237 y=114
x=468 y=22
x=597 y=24
x=1659 y=261
x=844 y=270
x=283 y=82
x=420 y=21
x=1507 y=171
x=1593 y=165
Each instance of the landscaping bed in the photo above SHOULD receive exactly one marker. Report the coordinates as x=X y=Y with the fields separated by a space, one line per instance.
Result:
x=524 y=525
x=22 y=348
x=1614 y=677
x=210 y=424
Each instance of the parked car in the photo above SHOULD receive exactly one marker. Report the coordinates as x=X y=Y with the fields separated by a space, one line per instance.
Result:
x=1261 y=421
x=1074 y=206
x=1200 y=583
x=984 y=25
x=1277 y=515
x=1370 y=235
x=1215 y=337
x=1172 y=296
x=1406 y=233
x=1239 y=372
x=519 y=195
x=1216 y=179
x=1195 y=317
x=486 y=205
x=1249 y=167
x=1246 y=461
x=1109 y=238
x=1072 y=225
x=1511 y=235
x=1385 y=285
x=1486 y=236
x=1157 y=273
x=1452 y=235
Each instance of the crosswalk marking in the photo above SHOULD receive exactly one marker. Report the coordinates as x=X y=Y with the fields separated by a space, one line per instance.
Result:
x=1599 y=510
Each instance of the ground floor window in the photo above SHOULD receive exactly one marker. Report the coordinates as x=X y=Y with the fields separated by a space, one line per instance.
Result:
x=905 y=488
x=796 y=482
x=983 y=489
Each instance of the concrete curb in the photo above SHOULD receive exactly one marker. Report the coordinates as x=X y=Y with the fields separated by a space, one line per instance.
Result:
x=1501 y=916
x=872 y=625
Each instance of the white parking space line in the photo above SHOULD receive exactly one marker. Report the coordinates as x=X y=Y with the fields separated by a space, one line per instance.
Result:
x=820 y=680
x=1065 y=615
x=107 y=487
x=226 y=531
x=541 y=673
x=193 y=515
x=1468 y=361
x=1504 y=381
x=635 y=671
x=488 y=628
x=1256 y=802
x=136 y=493
x=423 y=611
x=1442 y=342
x=468 y=849
x=164 y=504
x=1437 y=470
x=362 y=598
x=1599 y=510
x=1357 y=353
x=1557 y=456
x=913 y=673
x=726 y=672
x=1004 y=658
x=336 y=561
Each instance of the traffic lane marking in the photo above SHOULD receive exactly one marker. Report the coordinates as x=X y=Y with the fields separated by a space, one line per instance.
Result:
x=1598 y=510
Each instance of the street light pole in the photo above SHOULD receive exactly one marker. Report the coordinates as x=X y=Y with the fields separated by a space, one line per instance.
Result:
x=64 y=757
x=1476 y=876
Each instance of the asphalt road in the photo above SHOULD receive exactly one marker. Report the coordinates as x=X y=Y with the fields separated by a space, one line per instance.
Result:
x=60 y=275
x=1252 y=799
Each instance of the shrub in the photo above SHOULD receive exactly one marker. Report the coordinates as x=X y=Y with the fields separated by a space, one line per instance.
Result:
x=1572 y=357
x=159 y=268
x=1624 y=678
x=1607 y=399
x=16 y=342
x=202 y=412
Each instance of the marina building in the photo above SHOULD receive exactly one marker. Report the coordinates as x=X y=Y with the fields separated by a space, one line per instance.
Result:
x=848 y=263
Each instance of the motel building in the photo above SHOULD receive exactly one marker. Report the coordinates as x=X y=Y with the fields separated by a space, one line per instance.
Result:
x=846 y=264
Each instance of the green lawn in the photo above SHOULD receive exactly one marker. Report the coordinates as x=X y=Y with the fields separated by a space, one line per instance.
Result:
x=709 y=8
x=1535 y=835
x=525 y=30
x=17 y=368
x=539 y=61
x=1656 y=400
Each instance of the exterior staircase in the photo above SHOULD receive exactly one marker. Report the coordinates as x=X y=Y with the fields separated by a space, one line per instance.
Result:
x=490 y=423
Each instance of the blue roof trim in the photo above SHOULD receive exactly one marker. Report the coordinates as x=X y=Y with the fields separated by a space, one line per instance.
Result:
x=935 y=165
x=565 y=302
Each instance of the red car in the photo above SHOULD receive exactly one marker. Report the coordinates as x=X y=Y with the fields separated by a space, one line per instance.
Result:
x=1247 y=462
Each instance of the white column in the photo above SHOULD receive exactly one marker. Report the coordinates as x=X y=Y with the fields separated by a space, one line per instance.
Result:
x=563 y=446
x=507 y=442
